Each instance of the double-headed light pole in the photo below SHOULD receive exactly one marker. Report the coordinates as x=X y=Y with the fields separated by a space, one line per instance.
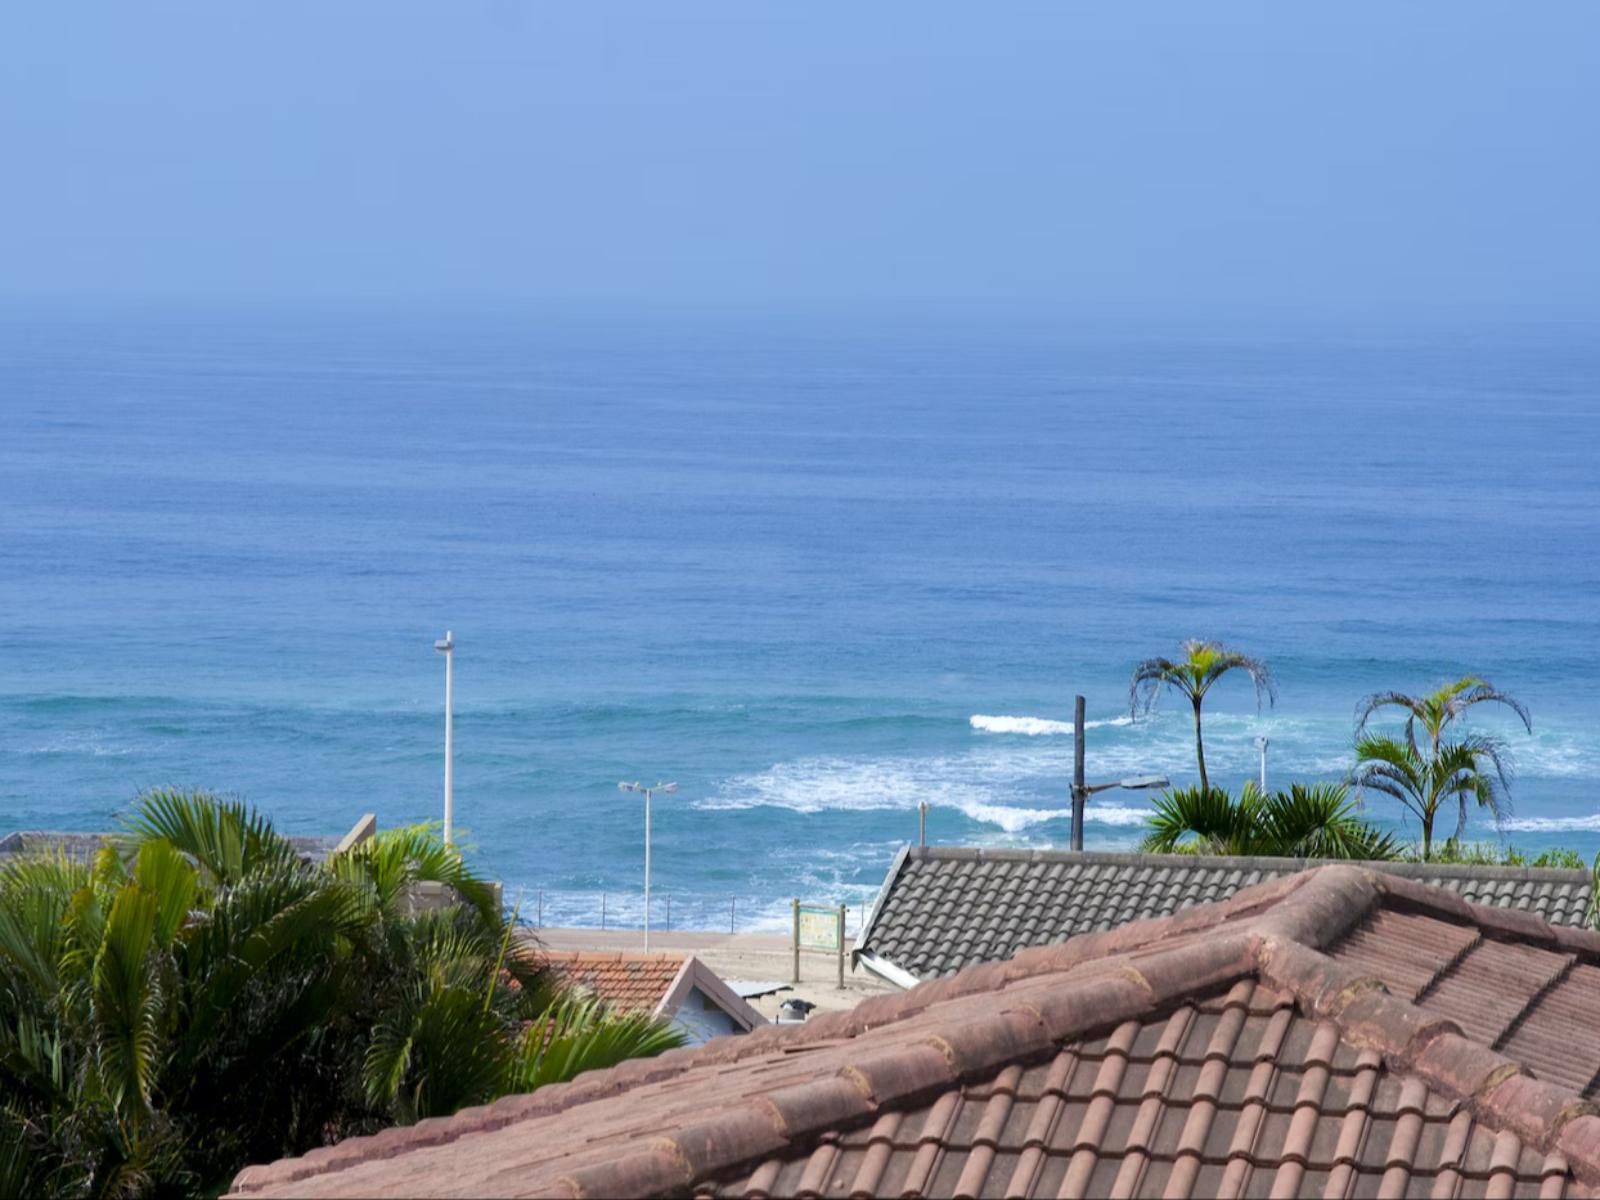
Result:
x=665 y=789
x=1081 y=791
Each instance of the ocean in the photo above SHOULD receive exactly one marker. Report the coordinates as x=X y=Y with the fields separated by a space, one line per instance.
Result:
x=814 y=571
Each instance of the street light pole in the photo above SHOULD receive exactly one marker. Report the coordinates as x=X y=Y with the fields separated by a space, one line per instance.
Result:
x=649 y=792
x=447 y=648
x=1081 y=790
x=1261 y=745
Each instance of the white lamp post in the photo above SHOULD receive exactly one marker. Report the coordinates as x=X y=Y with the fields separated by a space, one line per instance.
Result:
x=1261 y=745
x=665 y=789
x=447 y=648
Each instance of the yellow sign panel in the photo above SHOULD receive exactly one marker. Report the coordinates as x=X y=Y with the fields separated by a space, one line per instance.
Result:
x=819 y=929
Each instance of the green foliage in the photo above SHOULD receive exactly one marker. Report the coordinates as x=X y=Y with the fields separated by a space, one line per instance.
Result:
x=1455 y=852
x=577 y=1034
x=1559 y=856
x=200 y=998
x=1316 y=821
x=1425 y=780
x=1423 y=768
x=1192 y=676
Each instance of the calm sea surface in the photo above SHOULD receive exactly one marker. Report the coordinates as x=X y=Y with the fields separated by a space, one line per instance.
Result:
x=812 y=574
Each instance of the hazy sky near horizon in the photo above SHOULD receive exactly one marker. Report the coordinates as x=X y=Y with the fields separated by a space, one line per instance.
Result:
x=1362 y=156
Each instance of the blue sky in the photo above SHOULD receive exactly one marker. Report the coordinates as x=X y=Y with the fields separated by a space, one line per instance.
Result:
x=1361 y=156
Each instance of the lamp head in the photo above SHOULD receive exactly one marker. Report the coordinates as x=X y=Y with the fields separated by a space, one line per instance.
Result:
x=1143 y=782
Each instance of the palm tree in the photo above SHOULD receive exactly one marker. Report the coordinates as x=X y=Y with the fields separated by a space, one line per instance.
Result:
x=1202 y=664
x=1318 y=821
x=1423 y=769
x=1472 y=768
x=198 y=997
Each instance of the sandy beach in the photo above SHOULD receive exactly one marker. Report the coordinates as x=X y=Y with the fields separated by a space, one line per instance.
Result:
x=743 y=956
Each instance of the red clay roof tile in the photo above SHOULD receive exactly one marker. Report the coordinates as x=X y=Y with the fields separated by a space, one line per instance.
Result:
x=629 y=981
x=1332 y=1034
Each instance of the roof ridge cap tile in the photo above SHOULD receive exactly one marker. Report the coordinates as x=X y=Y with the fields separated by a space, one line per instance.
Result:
x=546 y=1101
x=1405 y=870
x=1115 y=858
x=1485 y=871
x=1329 y=903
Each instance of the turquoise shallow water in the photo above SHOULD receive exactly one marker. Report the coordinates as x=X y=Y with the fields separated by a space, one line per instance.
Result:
x=812 y=573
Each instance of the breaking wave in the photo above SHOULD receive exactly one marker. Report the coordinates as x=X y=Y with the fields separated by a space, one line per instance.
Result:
x=1002 y=791
x=1036 y=726
x=1590 y=824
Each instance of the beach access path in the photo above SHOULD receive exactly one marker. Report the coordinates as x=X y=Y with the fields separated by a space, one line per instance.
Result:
x=744 y=956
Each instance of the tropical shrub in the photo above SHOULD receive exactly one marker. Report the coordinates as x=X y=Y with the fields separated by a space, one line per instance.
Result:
x=1315 y=821
x=1193 y=675
x=1424 y=768
x=198 y=997
x=1492 y=854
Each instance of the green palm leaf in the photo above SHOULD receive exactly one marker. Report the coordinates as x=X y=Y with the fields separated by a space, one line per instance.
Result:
x=127 y=1000
x=579 y=1034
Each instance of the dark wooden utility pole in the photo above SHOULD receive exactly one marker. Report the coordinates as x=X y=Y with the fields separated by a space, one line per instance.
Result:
x=1080 y=786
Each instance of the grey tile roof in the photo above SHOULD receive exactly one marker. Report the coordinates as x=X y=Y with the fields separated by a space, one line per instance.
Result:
x=943 y=908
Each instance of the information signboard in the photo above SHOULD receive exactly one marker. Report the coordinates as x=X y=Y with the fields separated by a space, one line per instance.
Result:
x=819 y=928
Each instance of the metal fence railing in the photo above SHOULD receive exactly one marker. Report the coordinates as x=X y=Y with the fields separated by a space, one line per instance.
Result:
x=552 y=908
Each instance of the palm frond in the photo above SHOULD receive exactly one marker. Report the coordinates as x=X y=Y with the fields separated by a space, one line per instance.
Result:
x=1320 y=821
x=167 y=875
x=227 y=838
x=438 y=1052
x=1201 y=821
x=1480 y=691
x=126 y=999
x=34 y=897
x=388 y=863
x=1150 y=677
x=1371 y=705
x=580 y=1034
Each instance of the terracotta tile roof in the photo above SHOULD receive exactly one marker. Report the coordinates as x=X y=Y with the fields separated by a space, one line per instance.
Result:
x=944 y=908
x=631 y=982
x=1340 y=1032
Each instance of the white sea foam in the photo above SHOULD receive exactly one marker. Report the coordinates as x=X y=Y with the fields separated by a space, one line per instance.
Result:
x=1114 y=814
x=996 y=789
x=1553 y=824
x=1035 y=726
x=985 y=788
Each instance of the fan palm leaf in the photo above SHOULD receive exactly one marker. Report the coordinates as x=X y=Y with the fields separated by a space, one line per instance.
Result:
x=226 y=838
x=1320 y=821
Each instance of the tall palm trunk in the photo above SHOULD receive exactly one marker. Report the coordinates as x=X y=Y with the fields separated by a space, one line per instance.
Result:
x=1200 y=747
x=1433 y=806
